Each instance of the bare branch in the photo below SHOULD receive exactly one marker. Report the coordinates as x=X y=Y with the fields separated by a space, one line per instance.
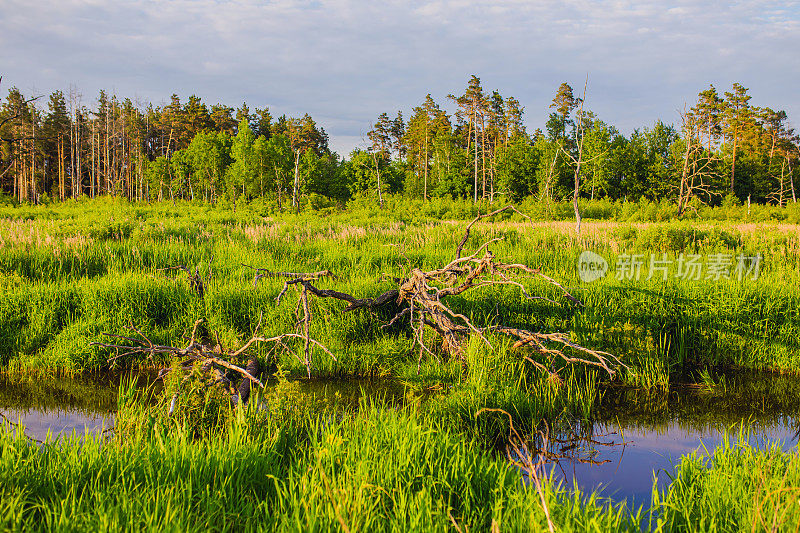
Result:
x=479 y=217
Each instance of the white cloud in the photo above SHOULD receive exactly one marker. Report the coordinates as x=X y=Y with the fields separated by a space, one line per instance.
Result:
x=345 y=61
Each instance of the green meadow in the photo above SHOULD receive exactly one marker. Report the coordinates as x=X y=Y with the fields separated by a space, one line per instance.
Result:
x=432 y=459
x=71 y=272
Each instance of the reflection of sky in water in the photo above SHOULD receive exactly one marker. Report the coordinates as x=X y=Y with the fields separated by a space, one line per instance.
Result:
x=77 y=403
x=647 y=449
x=60 y=422
x=84 y=403
x=641 y=454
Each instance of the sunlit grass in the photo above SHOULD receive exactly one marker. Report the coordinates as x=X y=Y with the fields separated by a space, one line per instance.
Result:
x=71 y=272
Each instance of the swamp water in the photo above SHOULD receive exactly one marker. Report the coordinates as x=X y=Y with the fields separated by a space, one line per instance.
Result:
x=633 y=437
x=62 y=405
x=638 y=436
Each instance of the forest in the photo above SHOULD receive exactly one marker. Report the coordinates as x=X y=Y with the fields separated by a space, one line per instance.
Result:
x=57 y=148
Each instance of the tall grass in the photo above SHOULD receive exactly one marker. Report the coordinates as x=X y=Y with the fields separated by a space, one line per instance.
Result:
x=374 y=469
x=72 y=271
x=735 y=487
x=379 y=470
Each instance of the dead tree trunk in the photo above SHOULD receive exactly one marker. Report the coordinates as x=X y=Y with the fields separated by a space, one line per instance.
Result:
x=378 y=175
x=421 y=297
x=296 y=180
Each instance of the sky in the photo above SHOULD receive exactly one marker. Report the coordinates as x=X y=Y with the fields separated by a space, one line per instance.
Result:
x=346 y=61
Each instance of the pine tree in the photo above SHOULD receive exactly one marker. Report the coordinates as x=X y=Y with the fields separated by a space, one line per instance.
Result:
x=55 y=128
x=380 y=136
x=262 y=123
x=472 y=104
x=737 y=113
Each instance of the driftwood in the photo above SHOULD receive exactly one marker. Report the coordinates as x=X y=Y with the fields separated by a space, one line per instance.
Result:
x=421 y=295
x=211 y=359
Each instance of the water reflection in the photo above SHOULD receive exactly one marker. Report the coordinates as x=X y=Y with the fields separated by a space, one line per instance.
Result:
x=86 y=402
x=59 y=422
x=638 y=436
x=625 y=466
x=634 y=435
x=62 y=404
x=348 y=393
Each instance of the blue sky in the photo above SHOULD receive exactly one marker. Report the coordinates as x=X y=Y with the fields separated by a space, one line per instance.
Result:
x=346 y=61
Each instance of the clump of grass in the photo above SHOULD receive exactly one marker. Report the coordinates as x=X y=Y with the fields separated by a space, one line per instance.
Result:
x=708 y=383
x=736 y=486
x=501 y=379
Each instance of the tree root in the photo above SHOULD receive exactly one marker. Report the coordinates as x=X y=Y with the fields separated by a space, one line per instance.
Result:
x=421 y=296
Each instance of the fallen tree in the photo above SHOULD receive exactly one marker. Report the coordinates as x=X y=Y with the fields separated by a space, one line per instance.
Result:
x=421 y=297
x=210 y=359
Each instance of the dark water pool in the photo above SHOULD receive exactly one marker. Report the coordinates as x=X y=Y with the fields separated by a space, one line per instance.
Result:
x=62 y=405
x=637 y=437
x=85 y=402
x=634 y=435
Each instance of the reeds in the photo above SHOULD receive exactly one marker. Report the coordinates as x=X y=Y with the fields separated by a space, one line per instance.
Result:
x=377 y=470
x=735 y=487
x=94 y=267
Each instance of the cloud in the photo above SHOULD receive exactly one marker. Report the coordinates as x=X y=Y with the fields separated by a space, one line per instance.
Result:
x=345 y=61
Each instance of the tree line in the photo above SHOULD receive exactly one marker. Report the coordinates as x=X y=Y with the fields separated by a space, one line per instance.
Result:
x=63 y=148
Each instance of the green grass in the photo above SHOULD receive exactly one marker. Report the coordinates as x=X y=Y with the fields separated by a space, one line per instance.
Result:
x=374 y=469
x=69 y=273
x=377 y=470
x=734 y=488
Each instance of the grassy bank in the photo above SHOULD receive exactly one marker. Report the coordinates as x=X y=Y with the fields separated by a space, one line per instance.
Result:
x=70 y=273
x=375 y=470
x=372 y=470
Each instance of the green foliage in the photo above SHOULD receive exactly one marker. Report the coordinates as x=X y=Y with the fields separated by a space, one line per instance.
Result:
x=379 y=470
x=734 y=485
x=516 y=169
x=72 y=271
x=242 y=174
x=725 y=151
x=209 y=153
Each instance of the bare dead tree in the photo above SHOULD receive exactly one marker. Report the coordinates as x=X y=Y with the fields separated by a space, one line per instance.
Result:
x=698 y=163
x=204 y=355
x=577 y=161
x=791 y=178
x=303 y=280
x=421 y=297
